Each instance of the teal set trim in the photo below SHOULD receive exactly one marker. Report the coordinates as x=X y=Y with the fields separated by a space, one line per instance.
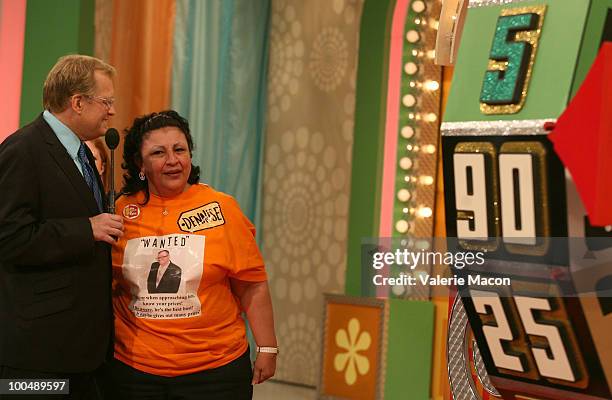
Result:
x=219 y=84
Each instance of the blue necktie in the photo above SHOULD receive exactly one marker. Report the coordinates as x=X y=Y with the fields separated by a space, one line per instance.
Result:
x=89 y=175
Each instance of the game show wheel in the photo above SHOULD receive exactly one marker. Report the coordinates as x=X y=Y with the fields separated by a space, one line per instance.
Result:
x=466 y=370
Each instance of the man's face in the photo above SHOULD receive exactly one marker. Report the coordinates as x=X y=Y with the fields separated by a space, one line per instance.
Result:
x=163 y=258
x=98 y=108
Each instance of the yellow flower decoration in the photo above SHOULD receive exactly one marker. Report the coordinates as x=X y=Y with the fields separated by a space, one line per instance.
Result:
x=353 y=343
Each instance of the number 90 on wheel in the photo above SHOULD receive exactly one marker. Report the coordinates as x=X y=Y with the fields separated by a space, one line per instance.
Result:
x=506 y=196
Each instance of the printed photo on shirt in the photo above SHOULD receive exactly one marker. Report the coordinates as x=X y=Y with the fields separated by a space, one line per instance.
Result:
x=164 y=273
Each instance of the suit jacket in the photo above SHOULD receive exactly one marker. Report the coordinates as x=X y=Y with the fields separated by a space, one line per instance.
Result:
x=55 y=280
x=170 y=281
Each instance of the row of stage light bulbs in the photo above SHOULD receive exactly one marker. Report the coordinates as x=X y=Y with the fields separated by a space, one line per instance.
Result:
x=407 y=132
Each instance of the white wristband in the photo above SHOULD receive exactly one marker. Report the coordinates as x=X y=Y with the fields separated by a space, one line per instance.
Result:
x=271 y=350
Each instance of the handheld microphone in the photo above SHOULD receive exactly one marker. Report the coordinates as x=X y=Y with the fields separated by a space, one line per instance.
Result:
x=112 y=141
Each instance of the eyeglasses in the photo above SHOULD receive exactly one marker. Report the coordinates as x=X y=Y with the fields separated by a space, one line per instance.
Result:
x=108 y=102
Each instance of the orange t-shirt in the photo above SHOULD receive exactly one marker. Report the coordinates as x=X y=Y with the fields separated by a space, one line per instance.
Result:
x=175 y=313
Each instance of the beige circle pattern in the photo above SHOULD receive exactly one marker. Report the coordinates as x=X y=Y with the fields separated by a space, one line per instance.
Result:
x=305 y=212
x=329 y=59
x=347 y=9
x=348 y=125
x=286 y=58
x=307 y=170
x=301 y=334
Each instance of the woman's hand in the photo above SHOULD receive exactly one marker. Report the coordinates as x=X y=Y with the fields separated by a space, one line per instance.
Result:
x=255 y=301
x=264 y=368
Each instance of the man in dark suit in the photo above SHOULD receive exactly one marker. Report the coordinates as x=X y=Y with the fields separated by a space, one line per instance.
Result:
x=55 y=274
x=164 y=276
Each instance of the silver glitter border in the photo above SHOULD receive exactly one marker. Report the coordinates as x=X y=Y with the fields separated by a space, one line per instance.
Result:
x=462 y=384
x=489 y=3
x=459 y=376
x=495 y=128
x=481 y=371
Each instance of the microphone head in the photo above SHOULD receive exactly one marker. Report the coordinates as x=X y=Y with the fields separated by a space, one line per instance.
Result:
x=111 y=138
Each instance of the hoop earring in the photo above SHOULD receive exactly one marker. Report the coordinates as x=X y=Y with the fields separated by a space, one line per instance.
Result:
x=142 y=176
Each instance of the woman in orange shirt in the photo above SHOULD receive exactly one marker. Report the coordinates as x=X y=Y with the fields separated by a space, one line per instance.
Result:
x=183 y=272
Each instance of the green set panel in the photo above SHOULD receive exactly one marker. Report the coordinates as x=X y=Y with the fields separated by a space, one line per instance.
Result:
x=553 y=70
x=53 y=29
x=409 y=351
x=368 y=151
x=598 y=12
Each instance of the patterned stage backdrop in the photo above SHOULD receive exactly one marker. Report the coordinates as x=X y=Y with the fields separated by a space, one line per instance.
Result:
x=311 y=102
x=103 y=25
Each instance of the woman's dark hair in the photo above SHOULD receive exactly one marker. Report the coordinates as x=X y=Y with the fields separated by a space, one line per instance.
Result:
x=134 y=137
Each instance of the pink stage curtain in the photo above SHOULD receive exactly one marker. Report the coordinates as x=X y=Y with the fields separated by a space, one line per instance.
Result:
x=12 y=31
